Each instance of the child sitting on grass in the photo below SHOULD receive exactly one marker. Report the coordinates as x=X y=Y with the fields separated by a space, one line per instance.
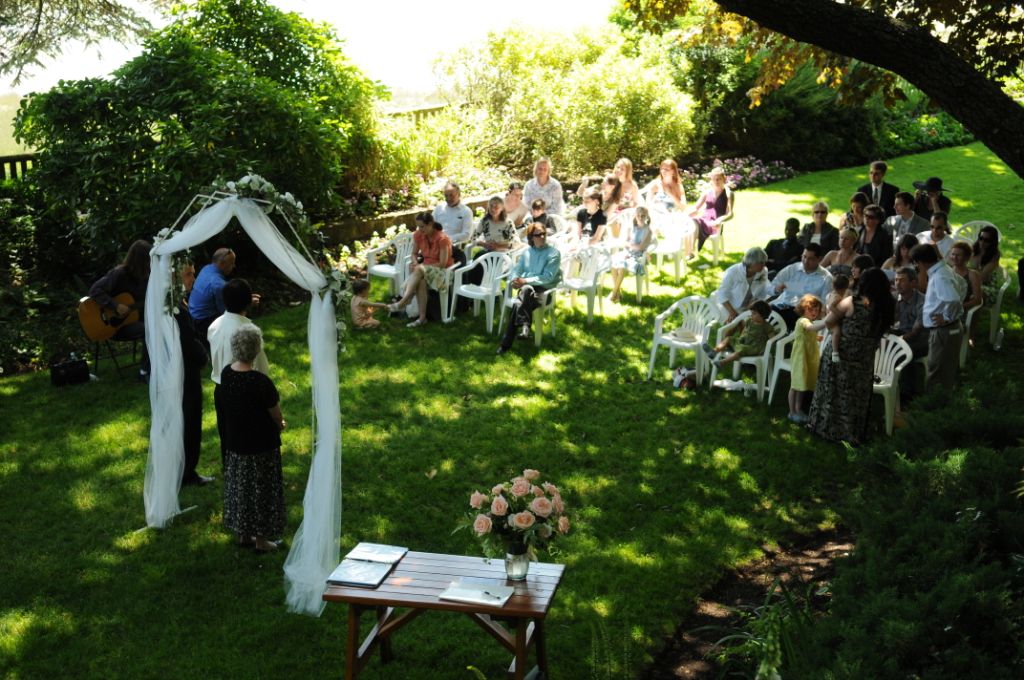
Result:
x=751 y=339
x=805 y=357
x=362 y=308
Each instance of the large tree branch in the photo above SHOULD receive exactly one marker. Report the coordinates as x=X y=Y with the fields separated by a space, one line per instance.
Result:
x=909 y=51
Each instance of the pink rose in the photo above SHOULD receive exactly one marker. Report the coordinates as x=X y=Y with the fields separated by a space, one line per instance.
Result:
x=563 y=525
x=482 y=524
x=520 y=488
x=498 y=488
x=531 y=474
x=549 y=487
x=557 y=504
x=499 y=506
x=477 y=500
x=537 y=491
x=541 y=507
x=522 y=520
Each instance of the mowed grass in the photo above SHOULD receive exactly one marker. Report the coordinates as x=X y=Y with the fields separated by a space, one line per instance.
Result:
x=668 y=489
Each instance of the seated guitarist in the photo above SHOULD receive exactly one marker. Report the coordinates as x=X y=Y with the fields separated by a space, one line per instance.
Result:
x=131 y=276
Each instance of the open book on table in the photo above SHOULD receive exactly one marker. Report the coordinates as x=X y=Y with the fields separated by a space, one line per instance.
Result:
x=367 y=565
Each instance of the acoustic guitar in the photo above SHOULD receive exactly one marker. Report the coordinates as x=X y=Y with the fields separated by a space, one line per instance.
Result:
x=100 y=324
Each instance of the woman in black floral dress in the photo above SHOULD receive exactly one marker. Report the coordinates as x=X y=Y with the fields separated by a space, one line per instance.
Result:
x=250 y=423
x=842 y=397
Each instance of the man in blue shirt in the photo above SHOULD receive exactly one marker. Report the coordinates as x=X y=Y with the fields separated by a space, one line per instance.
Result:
x=537 y=270
x=206 y=301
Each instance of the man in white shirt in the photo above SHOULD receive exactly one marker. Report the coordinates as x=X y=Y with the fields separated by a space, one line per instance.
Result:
x=799 y=279
x=938 y=235
x=743 y=283
x=545 y=187
x=905 y=221
x=943 y=310
x=454 y=217
x=237 y=297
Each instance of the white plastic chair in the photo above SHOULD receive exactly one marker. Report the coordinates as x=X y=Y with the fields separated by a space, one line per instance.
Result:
x=717 y=244
x=395 y=273
x=994 y=311
x=593 y=263
x=543 y=313
x=969 y=230
x=698 y=314
x=495 y=267
x=762 y=361
x=669 y=246
x=891 y=357
x=783 y=362
x=965 y=341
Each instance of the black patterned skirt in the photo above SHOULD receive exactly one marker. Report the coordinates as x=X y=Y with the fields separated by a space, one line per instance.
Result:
x=254 y=494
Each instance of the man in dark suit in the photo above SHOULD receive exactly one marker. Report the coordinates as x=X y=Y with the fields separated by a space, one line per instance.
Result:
x=878 y=190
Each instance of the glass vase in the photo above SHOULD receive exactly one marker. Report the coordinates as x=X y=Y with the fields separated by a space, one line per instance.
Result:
x=517 y=562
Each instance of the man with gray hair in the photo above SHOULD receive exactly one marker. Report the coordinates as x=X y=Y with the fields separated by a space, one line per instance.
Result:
x=743 y=283
x=206 y=301
x=455 y=218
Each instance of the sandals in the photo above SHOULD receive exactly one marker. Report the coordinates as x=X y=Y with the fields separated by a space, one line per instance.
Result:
x=416 y=324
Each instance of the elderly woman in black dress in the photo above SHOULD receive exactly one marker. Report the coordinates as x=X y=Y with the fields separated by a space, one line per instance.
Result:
x=250 y=422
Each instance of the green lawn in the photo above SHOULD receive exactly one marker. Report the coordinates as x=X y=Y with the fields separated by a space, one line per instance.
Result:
x=667 y=489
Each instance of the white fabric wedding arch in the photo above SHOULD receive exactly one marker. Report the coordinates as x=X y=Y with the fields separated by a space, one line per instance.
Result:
x=315 y=547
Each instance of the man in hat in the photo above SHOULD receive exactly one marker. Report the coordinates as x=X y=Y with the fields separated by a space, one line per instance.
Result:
x=929 y=198
x=878 y=190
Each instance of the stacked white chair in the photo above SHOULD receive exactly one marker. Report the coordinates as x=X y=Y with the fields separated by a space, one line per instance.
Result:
x=495 y=268
x=891 y=357
x=762 y=361
x=698 y=314
x=395 y=273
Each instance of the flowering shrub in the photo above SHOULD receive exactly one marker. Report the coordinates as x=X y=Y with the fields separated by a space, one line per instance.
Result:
x=522 y=512
x=740 y=173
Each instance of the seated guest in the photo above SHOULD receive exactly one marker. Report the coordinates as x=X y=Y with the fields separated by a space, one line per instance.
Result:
x=878 y=191
x=361 y=307
x=939 y=234
x=206 y=302
x=909 y=310
x=783 y=252
x=539 y=216
x=714 y=208
x=667 y=202
x=985 y=256
x=590 y=219
x=901 y=257
x=536 y=271
x=746 y=339
x=545 y=187
x=435 y=247
x=250 y=407
x=495 y=231
x=453 y=216
x=905 y=221
x=819 y=231
x=838 y=261
x=875 y=240
x=633 y=257
x=515 y=208
x=854 y=217
x=803 y=278
x=131 y=277
x=743 y=283
x=943 y=310
x=929 y=199
x=631 y=197
x=237 y=295
x=959 y=254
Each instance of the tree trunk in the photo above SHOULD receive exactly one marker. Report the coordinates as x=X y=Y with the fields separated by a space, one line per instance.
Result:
x=909 y=51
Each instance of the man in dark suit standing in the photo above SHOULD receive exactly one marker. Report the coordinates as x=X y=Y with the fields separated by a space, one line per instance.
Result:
x=878 y=190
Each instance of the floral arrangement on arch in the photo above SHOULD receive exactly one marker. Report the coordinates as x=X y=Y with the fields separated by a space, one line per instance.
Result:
x=524 y=512
x=256 y=187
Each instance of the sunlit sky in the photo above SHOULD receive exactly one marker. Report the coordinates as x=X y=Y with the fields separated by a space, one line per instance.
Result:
x=394 y=41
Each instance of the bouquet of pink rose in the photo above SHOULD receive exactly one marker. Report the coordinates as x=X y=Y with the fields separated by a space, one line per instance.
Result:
x=523 y=514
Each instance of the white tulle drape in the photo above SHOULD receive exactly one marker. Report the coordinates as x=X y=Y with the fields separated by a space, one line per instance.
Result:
x=315 y=547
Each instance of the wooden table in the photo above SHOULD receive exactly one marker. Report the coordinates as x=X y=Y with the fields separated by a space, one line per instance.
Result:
x=415 y=583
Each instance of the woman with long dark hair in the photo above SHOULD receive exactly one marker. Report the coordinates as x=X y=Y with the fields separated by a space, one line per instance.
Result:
x=842 y=398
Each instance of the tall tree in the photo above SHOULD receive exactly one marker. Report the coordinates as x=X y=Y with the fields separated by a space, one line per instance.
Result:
x=958 y=52
x=31 y=30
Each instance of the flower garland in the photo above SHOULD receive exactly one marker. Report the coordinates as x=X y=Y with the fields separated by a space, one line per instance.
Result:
x=271 y=200
x=183 y=274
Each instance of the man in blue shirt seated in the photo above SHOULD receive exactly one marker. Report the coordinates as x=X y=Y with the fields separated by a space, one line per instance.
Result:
x=537 y=270
x=799 y=279
x=206 y=301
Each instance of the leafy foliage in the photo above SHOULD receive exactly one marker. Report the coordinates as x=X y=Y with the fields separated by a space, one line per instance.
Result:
x=188 y=111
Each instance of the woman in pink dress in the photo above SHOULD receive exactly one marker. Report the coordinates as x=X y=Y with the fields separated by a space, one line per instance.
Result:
x=713 y=208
